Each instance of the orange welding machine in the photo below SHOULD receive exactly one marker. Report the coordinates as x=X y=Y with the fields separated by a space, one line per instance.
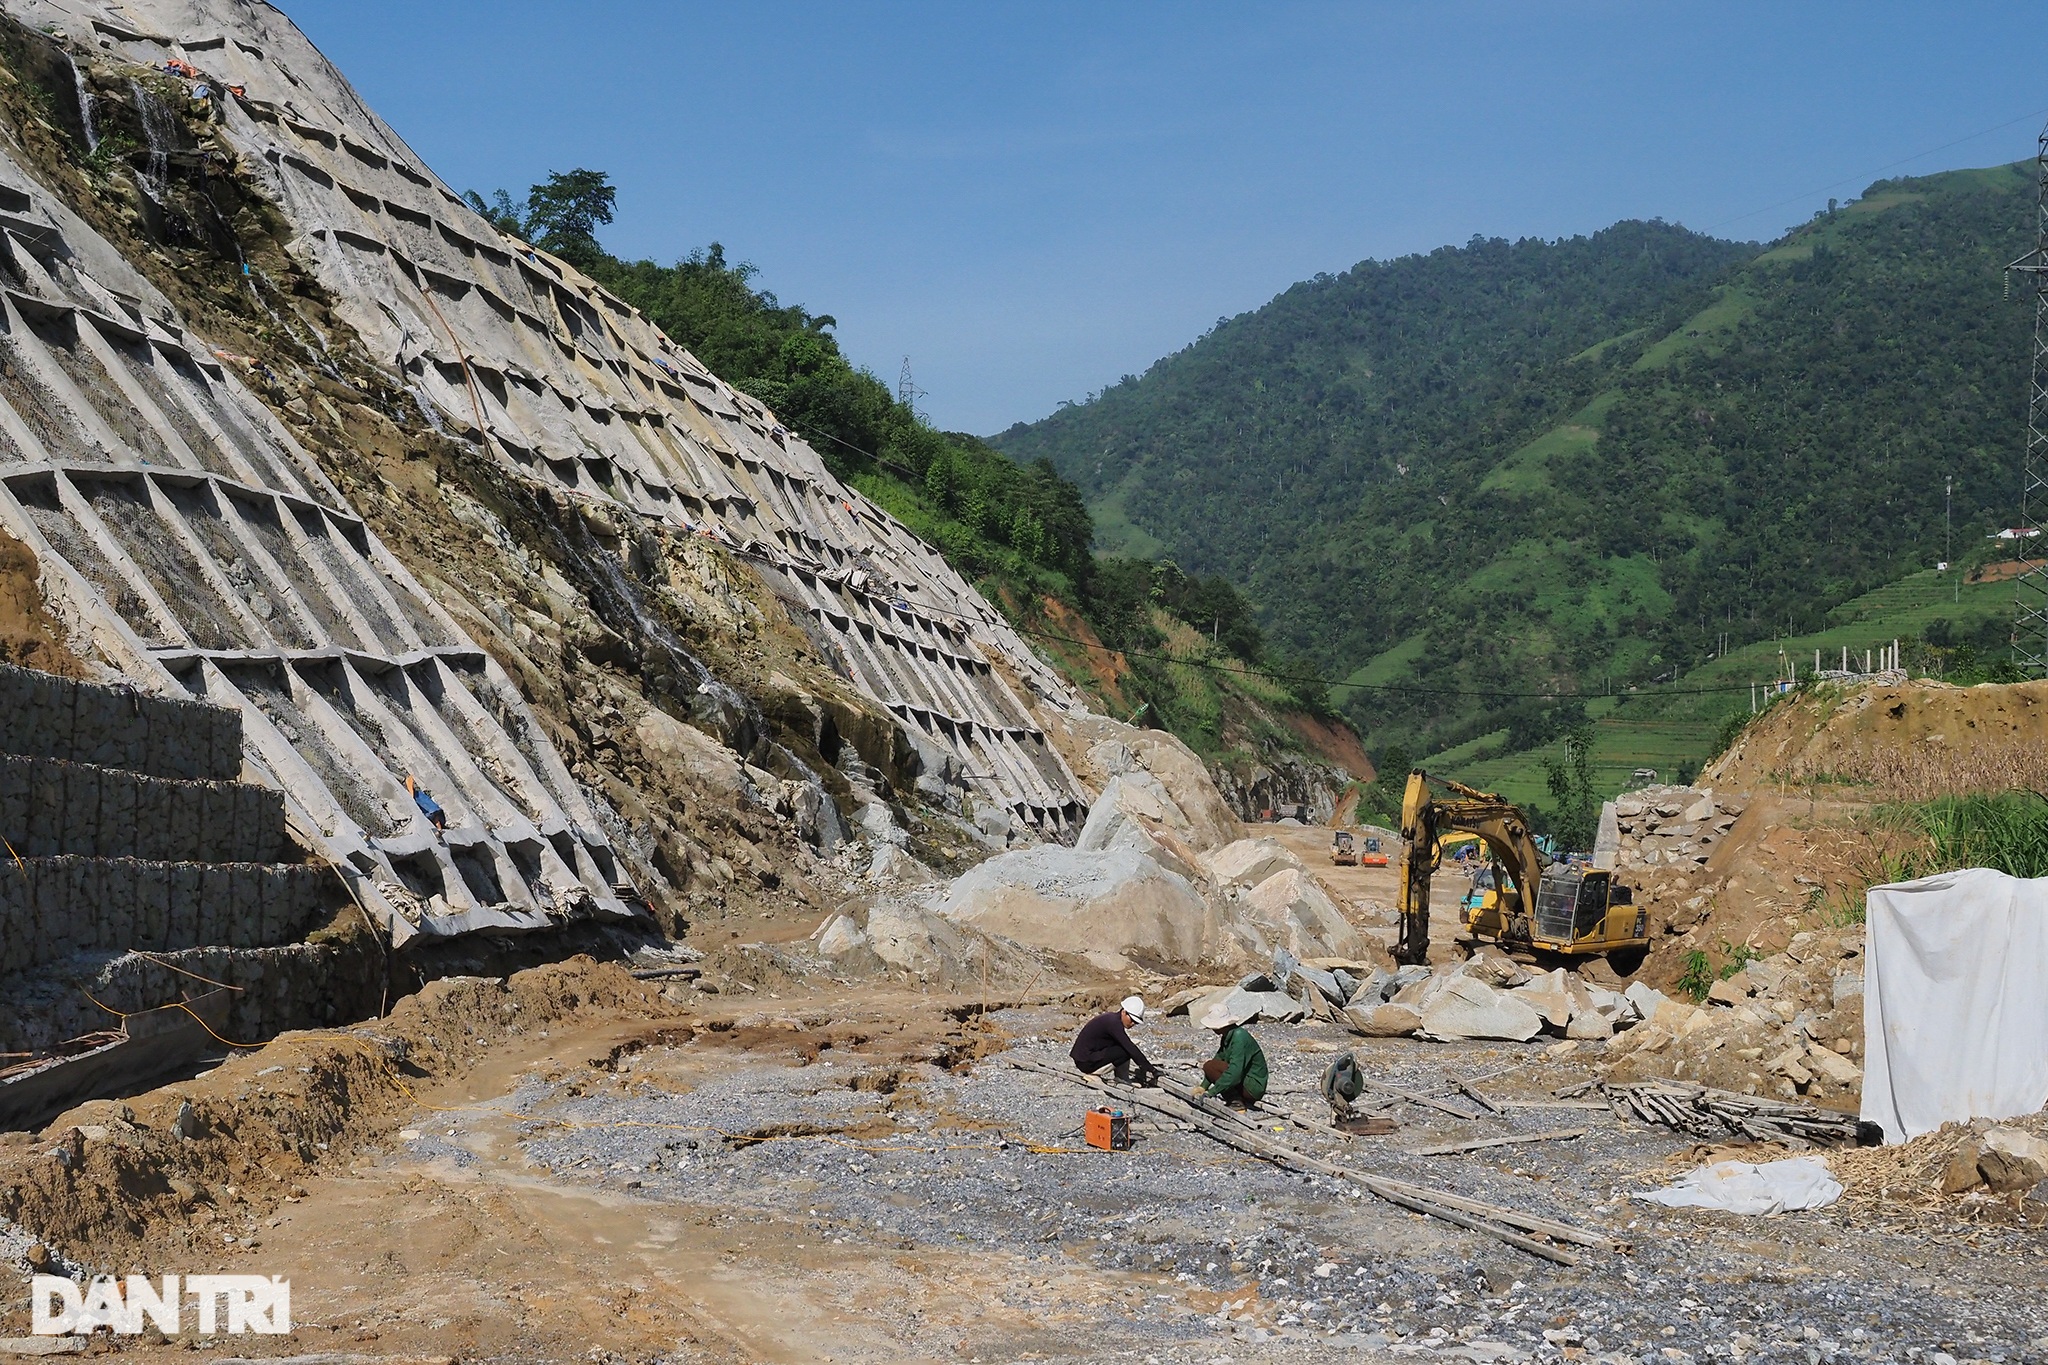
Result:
x=1109 y=1129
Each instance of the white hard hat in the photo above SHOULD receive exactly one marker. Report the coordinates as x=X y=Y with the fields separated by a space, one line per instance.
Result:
x=1134 y=1005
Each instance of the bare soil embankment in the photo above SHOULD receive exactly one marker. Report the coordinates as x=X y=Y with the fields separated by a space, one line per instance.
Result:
x=1906 y=741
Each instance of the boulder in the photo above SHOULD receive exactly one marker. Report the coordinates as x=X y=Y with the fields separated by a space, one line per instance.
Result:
x=1248 y=1005
x=1494 y=967
x=1962 y=1173
x=2012 y=1159
x=893 y=866
x=840 y=935
x=1076 y=901
x=1766 y=977
x=914 y=939
x=1291 y=974
x=1382 y=1021
x=1791 y=1063
x=1590 y=1026
x=1135 y=813
x=1293 y=912
x=1837 y=1068
x=1179 y=770
x=1550 y=996
x=1247 y=862
x=878 y=824
x=1468 y=1008
x=1645 y=999
x=1112 y=757
x=1730 y=991
x=1182 y=1002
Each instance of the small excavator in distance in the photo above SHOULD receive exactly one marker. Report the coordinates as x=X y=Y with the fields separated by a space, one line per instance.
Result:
x=1539 y=905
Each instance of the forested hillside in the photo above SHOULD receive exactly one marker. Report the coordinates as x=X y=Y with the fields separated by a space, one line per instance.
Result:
x=1544 y=466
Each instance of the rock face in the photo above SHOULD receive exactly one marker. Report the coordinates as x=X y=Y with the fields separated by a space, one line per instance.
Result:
x=1247 y=862
x=1076 y=901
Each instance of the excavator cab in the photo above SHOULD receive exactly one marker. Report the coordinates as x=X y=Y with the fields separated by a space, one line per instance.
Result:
x=1577 y=905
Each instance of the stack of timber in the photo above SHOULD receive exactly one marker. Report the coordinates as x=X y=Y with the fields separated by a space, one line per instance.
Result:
x=1713 y=1114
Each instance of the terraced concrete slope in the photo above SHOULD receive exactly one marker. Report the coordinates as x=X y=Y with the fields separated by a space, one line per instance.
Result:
x=573 y=389
x=189 y=535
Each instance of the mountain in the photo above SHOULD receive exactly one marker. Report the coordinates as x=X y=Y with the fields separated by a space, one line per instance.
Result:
x=1554 y=466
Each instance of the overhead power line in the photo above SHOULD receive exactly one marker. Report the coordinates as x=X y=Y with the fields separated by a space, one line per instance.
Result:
x=1894 y=165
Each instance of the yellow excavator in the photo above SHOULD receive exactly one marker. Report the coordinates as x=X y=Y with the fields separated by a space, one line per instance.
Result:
x=1575 y=911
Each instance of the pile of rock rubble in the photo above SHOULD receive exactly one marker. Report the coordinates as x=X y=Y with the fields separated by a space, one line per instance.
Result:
x=1161 y=877
x=1789 y=1026
x=1671 y=826
x=1487 y=996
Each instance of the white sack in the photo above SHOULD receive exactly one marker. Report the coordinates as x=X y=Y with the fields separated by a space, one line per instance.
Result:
x=1740 y=1187
x=1955 y=1014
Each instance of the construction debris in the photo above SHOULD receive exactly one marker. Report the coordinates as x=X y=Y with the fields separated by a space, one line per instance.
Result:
x=1513 y=1139
x=1713 y=1115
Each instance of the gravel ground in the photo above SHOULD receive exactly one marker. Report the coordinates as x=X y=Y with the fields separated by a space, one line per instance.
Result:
x=1230 y=1258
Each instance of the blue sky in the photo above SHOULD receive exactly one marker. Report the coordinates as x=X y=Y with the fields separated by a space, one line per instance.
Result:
x=1031 y=200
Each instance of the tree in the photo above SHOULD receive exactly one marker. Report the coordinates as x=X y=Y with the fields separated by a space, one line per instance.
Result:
x=564 y=211
x=498 y=211
x=1570 y=778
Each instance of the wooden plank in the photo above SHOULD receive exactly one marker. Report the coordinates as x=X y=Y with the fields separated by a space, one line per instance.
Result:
x=1465 y=1088
x=1447 y=1148
x=1424 y=1100
x=1602 y=1105
x=1421 y=1198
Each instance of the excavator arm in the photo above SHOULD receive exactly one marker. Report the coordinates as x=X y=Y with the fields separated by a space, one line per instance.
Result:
x=1425 y=818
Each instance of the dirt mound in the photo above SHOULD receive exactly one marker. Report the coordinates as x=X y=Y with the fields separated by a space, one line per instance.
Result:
x=209 y=1157
x=1904 y=741
x=29 y=635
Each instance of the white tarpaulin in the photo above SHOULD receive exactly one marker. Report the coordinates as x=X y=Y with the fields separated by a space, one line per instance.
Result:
x=1955 y=1001
x=1739 y=1187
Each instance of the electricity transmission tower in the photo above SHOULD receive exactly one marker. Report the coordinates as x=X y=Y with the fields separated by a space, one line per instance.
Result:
x=907 y=391
x=2030 y=610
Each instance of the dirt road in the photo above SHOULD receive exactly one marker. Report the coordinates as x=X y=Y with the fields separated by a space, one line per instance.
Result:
x=1370 y=894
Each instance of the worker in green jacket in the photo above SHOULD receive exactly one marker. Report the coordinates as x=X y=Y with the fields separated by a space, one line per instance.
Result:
x=1237 y=1073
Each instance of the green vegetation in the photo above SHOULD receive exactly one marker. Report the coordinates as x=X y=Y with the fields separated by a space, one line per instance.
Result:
x=1584 y=465
x=1021 y=532
x=2008 y=832
x=1949 y=629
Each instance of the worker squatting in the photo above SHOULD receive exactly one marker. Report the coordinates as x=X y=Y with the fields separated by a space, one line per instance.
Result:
x=1236 y=1074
